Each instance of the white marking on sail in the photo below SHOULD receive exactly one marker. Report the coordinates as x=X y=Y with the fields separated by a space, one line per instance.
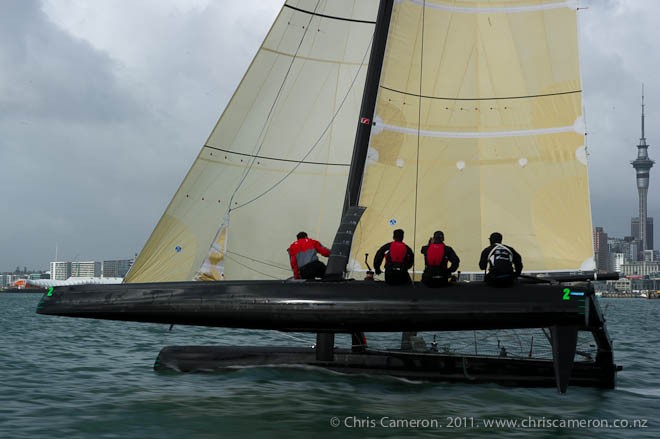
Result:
x=500 y=10
x=581 y=154
x=477 y=135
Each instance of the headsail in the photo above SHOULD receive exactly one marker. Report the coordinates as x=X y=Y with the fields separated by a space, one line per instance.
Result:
x=479 y=128
x=277 y=161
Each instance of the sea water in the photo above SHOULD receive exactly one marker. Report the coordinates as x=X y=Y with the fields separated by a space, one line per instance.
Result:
x=77 y=378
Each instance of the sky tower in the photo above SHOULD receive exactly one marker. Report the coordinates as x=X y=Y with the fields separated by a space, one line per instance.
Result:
x=642 y=165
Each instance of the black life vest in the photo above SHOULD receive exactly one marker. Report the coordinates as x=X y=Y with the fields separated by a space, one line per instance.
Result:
x=500 y=260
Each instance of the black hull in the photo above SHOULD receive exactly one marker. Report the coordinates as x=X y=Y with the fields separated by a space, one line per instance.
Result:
x=324 y=306
x=327 y=308
x=432 y=366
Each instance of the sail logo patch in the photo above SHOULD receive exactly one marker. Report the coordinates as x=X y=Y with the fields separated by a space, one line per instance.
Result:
x=365 y=121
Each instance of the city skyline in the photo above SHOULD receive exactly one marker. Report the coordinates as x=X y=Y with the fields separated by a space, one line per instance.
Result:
x=104 y=108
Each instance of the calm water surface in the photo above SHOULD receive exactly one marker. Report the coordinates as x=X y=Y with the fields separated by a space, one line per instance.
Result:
x=76 y=378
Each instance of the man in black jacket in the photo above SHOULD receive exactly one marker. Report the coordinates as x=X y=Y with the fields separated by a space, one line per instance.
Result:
x=440 y=261
x=502 y=262
x=399 y=259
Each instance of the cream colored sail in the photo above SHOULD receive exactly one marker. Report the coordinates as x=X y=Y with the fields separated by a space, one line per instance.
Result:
x=278 y=159
x=479 y=129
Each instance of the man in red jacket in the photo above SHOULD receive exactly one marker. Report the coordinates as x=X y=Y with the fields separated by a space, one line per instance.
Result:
x=302 y=255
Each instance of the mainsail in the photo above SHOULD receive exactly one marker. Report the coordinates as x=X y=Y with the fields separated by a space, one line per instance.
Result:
x=477 y=128
x=277 y=160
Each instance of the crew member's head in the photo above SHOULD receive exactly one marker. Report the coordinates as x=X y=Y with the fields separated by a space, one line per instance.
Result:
x=301 y=235
x=438 y=237
x=398 y=235
x=495 y=238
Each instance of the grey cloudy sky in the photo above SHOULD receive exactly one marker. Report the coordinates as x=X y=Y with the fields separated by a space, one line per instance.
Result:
x=105 y=104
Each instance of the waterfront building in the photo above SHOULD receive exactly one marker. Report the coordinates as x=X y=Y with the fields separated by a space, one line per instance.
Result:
x=60 y=270
x=86 y=269
x=640 y=268
x=116 y=268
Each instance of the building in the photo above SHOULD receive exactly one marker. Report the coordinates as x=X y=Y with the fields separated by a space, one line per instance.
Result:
x=621 y=251
x=601 y=250
x=642 y=165
x=635 y=232
x=86 y=269
x=641 y=268
x=117 y=268
x=60 y=270
x=106 y=269
x=616 y=261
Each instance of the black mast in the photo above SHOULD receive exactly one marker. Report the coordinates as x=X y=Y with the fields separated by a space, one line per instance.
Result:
x=368 y=104
x=341 y=246
x=351 y=212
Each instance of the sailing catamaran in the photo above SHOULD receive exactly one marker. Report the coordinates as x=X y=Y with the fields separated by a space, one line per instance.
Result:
x=357 y=117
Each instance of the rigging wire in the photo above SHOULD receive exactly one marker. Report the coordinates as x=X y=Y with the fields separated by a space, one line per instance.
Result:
x=419 y=128
x=270 y=264
x=318 y=140
x=251 y=268
x=272 y=107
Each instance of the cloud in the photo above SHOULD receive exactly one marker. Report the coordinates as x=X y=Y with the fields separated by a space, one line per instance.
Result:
x=618 y=55
x=104 y=106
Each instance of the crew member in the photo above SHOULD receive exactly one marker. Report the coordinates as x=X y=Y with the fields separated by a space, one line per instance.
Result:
x=502 y=263
x=437 y=257
x=303 y=257
x=399 y=259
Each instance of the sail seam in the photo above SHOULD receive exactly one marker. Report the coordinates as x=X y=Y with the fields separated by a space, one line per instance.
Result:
x=276 y=158
x=309 y=58
x=482 y=99
x=332 y=17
